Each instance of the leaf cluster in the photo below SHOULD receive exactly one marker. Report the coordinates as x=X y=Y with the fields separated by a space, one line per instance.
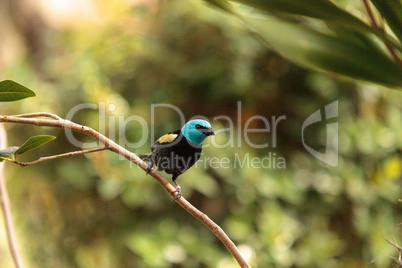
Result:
x=13 y=91
x=320 y=35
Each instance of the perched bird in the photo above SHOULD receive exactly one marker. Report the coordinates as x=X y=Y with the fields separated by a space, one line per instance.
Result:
x=177 y=151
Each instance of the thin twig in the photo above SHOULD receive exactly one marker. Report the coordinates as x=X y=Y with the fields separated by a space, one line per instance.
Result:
x=398 y=260
x=46 y=158
x=114 y=147
x=393 y=53
x=43 y=114
x=375 y=24
x=370 y=13
x=6 y=208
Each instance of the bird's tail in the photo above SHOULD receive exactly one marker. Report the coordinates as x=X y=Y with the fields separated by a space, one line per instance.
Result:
x=145 y=157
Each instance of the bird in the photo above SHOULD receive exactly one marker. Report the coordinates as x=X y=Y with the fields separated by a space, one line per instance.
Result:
x=178 y=150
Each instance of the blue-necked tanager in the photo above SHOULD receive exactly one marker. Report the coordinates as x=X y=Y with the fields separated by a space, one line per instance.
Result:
x=177 y=151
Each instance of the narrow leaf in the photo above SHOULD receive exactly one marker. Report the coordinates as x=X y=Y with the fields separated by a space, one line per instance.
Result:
x=221 y=4
x=12 y=91
x=391 y=10
x=323 y=10
x=33 y=143
x=348 y=54
x=319 y=9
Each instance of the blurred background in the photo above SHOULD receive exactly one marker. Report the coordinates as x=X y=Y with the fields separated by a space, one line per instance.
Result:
x=99 y=211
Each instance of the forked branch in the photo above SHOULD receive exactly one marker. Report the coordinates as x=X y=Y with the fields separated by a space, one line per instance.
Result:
x=57 y=122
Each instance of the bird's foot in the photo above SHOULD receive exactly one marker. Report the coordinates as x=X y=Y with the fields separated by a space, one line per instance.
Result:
x=149 y=167
x=178 y=191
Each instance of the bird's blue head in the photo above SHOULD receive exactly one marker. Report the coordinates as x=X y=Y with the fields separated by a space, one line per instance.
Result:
x=197 y=131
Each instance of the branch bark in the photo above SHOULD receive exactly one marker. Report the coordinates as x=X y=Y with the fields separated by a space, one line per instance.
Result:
x=47 y=158
x=6 y=208
x=57 y=122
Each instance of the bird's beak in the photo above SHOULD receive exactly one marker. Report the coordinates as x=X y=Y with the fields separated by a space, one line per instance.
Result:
x=209 y=132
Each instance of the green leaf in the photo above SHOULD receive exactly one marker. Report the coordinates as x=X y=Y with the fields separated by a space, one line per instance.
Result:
x=33 y=143
x=320 y=35
x=391 y=10
x=12 y=91
x=5 y=153
x=351 y=54
x=221 y=4
x=319 y=9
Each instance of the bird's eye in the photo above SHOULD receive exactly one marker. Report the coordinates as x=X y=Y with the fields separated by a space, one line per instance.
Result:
x=199 y=127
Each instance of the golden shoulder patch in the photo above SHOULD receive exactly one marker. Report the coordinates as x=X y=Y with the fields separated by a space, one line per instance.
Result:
x=167 y=138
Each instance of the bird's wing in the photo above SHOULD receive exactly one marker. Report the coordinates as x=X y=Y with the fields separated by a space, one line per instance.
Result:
x=167 y=138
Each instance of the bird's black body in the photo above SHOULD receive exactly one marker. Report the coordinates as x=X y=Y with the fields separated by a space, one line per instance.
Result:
x=177 y=151
x=176 y=156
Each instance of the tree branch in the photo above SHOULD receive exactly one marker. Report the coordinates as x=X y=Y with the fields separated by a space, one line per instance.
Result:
x=114 y=147
x=6 y=208
x=46 y=158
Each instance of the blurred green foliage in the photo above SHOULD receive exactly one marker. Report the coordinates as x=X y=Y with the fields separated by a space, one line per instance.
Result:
x=99 y=211
x=320 y=35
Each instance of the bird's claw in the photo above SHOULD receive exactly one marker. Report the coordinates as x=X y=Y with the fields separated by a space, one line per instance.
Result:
x=178 y=191
x=149 y=168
